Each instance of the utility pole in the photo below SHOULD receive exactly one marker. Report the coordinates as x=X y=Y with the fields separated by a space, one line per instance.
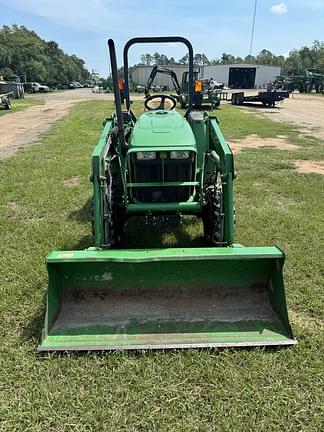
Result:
x=253 y=25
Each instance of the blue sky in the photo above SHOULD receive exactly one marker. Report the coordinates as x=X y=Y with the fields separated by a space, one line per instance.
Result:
x=82 y=27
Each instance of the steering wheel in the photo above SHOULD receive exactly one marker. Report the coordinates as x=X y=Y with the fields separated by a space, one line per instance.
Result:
x=160 y=102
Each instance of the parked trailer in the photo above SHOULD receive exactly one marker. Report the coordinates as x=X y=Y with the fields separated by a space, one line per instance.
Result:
x=267 y=98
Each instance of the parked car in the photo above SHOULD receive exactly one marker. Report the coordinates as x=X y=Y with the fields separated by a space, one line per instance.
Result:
x=75 y=84
x=35 y=87
x=63 y=86
x=140 y=89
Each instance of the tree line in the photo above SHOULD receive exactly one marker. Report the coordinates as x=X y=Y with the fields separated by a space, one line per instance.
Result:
x=24 y=53
x=296 y=61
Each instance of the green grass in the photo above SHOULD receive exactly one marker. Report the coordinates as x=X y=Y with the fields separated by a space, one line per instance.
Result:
x=193 y=390
x=20 y=104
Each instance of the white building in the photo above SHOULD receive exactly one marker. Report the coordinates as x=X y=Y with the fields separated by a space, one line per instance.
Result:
x=232 y=75
x=141 y=74
x=242 y=75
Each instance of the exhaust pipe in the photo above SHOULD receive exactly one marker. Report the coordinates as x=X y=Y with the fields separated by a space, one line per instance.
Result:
x=118 y=105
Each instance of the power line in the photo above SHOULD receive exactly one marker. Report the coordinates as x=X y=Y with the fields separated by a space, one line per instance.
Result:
x=253 y=25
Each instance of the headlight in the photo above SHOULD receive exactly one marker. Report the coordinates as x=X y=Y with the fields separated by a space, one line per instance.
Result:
x=179 y=155
x=146 y=155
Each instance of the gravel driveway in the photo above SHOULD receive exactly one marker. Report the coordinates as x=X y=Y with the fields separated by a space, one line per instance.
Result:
x=21 y=129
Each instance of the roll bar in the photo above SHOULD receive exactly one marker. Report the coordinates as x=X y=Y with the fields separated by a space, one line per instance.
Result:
x=158 y=39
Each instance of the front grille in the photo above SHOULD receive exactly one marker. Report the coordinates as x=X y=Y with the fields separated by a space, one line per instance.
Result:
x=159 y=170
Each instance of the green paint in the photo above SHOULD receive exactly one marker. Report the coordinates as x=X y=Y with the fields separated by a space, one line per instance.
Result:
x=165 y=184
x=162 y=129
x=234 y=338
x=167 y=254
x=188 y=207
x=98 y=172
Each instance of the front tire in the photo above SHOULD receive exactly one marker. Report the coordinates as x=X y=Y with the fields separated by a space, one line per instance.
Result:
x=114 y=216
x=213 y=216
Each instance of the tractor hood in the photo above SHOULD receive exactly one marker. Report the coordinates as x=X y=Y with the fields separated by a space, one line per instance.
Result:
x=162 y=128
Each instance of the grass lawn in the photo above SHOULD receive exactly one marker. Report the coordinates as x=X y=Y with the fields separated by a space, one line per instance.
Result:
x=20 y=104
x=193 y=390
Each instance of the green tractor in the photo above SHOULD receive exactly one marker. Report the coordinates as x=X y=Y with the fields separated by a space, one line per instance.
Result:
x=163 y=165
x=203 y=95
x=308 y=80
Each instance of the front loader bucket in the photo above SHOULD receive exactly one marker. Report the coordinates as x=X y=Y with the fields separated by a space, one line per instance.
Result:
x=167 y=298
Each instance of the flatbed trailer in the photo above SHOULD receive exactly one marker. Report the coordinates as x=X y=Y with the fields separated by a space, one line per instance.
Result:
x=267 y=98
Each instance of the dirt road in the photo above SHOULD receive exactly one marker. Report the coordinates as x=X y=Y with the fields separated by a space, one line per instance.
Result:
x=305 y=111
x=21 y=129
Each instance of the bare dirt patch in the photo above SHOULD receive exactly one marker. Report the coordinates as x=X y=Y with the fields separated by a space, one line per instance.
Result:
x=72 y=181
x=304 y=111
x=253 y=141
x=23 y=128
x=306 y=166
x=12 y=204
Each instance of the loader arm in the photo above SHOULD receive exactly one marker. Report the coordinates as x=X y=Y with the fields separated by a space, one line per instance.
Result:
x=105 y=154
x=226 y=168
x=165 y=71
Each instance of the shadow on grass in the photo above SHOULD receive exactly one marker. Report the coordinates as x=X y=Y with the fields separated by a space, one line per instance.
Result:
x=83 y=214
x=32 y=330
x=138 y=235
x=32 y=327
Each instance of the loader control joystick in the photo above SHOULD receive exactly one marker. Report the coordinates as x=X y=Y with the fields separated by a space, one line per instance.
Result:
x=160 y=102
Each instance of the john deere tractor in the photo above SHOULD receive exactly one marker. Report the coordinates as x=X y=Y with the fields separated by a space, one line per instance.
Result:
x=163 y=165
x=306 y=81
